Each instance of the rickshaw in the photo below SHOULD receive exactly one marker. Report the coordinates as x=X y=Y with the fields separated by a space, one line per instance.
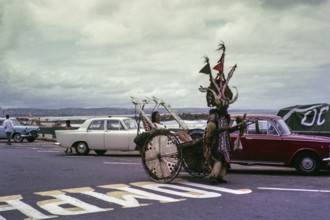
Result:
x=163 y=154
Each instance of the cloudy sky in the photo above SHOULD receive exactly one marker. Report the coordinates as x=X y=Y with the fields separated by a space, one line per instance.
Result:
x=98 y=53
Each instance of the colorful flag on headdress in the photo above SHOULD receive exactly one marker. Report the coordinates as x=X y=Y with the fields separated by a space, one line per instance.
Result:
x=206 y=69
x=219 y=66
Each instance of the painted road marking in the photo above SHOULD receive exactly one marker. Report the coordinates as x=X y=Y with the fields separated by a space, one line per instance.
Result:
x=297 y=190
x=57 y=203
x=48 y=151
x=25 y=148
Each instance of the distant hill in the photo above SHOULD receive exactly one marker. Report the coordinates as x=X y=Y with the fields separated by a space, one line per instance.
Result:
x=65 y=112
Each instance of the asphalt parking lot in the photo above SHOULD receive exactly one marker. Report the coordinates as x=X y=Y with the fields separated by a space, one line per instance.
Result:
x=38 y=180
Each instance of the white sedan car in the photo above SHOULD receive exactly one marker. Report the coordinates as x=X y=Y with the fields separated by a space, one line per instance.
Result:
x=100 y=135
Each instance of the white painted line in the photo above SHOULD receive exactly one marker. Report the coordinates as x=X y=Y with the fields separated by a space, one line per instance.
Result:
x=121 y=163
x=48 y=151
x=28 y=148
x=299 y=190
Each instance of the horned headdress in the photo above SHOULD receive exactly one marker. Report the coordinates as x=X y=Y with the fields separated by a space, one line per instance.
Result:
x=218 y=93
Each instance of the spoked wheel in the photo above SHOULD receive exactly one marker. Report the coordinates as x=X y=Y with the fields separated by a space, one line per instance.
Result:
x=161 y=156
x=193 y=155
x=193 y=160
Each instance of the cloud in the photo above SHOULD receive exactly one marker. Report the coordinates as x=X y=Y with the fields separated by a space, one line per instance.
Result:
x=97 y=53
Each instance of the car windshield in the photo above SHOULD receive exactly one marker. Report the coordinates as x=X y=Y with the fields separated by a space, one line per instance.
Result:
x=282 y=127
x=130 y=123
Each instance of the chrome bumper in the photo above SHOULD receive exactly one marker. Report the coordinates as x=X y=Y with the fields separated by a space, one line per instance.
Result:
x=326 y=159
x=29 y=135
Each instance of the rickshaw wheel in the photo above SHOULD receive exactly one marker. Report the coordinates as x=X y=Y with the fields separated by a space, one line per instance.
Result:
x=161 y=156
x=193 y=160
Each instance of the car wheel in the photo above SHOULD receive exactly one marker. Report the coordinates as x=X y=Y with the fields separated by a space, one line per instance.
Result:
x=17 y=137
x=100 y=152
x=82 y=148
x=307 y=164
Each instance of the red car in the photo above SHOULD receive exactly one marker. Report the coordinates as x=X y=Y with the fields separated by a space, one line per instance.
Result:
x=267 y=140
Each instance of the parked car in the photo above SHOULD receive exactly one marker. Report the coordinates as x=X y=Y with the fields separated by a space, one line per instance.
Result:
x=100 y=135
x=30 y=133
x=269 y=141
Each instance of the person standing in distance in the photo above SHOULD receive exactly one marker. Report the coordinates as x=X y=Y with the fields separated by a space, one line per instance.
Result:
x=9 y=128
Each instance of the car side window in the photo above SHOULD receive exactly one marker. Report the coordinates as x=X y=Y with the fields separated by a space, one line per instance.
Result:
x=251 y=129
x=260 y=127
x=130 y=123
x=96 y=125
x=114 y=125
x=1 y=123
x=264 y=127
x=271 y=129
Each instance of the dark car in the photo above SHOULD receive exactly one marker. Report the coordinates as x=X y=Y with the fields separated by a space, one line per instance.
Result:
x=30 y=133
x=268 y=140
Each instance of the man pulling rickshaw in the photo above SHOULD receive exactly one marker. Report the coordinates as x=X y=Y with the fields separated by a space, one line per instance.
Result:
x=163 y=154
x=217 y=144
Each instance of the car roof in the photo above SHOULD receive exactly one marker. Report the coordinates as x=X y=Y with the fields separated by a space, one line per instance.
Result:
x=110 y=117
x=257 y=116
x=89 y=120
x=107 y=118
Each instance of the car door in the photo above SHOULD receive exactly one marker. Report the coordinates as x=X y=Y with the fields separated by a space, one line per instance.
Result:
x=95 y=134
x=131 y=127
x=248 y=152
x=265 y=142
x=116 y=136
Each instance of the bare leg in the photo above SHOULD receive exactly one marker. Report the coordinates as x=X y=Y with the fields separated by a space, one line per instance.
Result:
x=222 y=174
x=183 y=136
x=213 y=177
x=218 y=173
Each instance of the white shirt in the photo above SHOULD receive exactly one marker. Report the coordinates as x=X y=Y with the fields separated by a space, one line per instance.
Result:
x=159 y=126
x=8 y=125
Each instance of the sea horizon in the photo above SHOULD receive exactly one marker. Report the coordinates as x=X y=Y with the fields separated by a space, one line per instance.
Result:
x=193 y=117
x=65 y=113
